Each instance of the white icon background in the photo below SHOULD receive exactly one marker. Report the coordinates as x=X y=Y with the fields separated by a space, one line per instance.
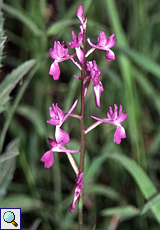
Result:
x=17 y=213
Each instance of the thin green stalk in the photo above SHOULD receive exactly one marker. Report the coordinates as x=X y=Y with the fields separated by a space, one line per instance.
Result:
x=57 y=186
x=81 y=168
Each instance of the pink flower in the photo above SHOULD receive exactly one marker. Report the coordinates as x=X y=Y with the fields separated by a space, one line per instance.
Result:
x=59 y=53
x=57 y=146
x=76 y=43
x=57 y=118
x=103 y=44
x=116 y=120
x=78 y=190
x=57 y=115
x=94 y=72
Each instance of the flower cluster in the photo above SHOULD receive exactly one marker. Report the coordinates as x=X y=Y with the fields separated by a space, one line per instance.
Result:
x=61 y=137
x=60 y=53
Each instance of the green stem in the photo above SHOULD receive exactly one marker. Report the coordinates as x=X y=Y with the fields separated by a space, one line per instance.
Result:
x=81 y=168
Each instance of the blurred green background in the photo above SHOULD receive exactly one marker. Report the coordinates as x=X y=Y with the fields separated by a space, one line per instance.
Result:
x=119 y=179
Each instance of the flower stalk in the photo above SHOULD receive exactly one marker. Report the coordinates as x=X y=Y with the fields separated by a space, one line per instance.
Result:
x=82 y=155
x=60 y=53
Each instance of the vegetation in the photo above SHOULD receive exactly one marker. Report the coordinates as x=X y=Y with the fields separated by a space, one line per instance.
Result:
x=121 y=182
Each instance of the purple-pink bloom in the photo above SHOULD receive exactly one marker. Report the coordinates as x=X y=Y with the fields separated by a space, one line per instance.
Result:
x=76 y=43
x=115 y=119
x=103 y=44
x=78 y=190
x=57 y=146
x=59 y=53
x=94 y=72
x=80 y=14
x=57 y=115
x=55 y=70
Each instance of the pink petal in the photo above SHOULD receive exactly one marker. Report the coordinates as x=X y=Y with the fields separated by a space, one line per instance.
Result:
x=53 y=53
x=109 y=55
x=80 y=55
x=62 y=50
x=119 y=134
x=52 y=143
x=75 y=198
x=47 y=158
x=61 y=137
x=110 y=113
x=105 y=120
x=56 y=115
x=55 y=70
x=111 y=42
x=78 y=190
x=102 y=40
x=80 y=13
x=97 y=91
x=94 y=46
x=70 y=111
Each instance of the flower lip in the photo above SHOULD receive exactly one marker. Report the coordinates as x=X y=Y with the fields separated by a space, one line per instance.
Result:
x=47 y=157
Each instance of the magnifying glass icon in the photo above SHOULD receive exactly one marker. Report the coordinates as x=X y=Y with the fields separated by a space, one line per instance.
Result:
x=9 y=217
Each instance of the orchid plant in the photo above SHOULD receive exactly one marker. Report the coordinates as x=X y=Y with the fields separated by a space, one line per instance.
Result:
x=89 y=73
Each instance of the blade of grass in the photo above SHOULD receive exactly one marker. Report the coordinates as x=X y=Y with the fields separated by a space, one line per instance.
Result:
x=142 y=61
x=24 y=18
x=143 y=181
x=11 y=80
x=129 y=84
x=17 y=100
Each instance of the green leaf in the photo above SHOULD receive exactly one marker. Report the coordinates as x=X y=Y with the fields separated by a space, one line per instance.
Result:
x=103 y=190
x=2 y=39
x=150 y=203
x=35 y=224
x=34 y=116
x=143 y=181
x=93 y=169
x=22 y=201
x=8 y=155
x=141 y=178
x=11 y=80
x=7 y=168
x=60 y=25
x=126 y=212
x=24 y=18
x=142 y=61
